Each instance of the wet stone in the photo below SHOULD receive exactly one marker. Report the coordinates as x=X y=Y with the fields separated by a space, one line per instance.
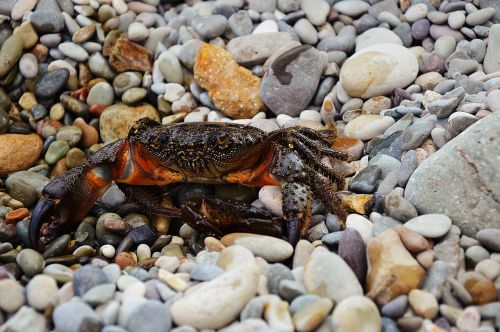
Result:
x=51 y=83
x=365 y=181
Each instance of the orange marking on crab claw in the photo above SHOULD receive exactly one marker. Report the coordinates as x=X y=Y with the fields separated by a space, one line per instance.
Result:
x=257 y=177
x=96 y=180
x=145 y=170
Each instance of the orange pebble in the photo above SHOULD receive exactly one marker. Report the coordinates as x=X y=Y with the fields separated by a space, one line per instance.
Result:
x=125 y=259
x=17 y=215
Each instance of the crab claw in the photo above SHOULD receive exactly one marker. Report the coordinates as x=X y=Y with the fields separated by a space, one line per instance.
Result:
x=43 y=213
x=66 y=201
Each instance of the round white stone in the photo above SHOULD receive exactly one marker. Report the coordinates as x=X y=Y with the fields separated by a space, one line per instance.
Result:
x=377 y=70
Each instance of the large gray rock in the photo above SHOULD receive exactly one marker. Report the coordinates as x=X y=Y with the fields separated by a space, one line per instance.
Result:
x=292 y=79
x=461 y=179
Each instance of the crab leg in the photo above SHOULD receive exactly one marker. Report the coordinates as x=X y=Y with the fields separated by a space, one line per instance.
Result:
x=297 y=208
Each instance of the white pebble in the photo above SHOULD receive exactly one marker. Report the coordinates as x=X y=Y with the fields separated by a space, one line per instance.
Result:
x=108 y=251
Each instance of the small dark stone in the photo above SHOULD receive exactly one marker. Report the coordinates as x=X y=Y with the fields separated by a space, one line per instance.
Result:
x=39 y=112
x=365 y=181
x=4 y=121
x=57 y=247
x=390 y=145
x=19 y=128
x=51 y=83
x=353 y=250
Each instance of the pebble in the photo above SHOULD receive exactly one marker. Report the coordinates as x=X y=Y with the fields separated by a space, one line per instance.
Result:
x=377 y=70
x=30 y=262
x=376 y=36
x=12 y=295
x=328 y=275
x=242 y=99
x=51 y=83
x=292 y=80
x=10 y=53
x=73 y=51
x=99 y=294
x=233 y=289
x=116 y=120
x=395 y=308
x=40 y=290
x=86 y=278
x=101 y=93
x=28 y=65
x=256 y=48
x=267 y=247
x=73 y=316
x=26 y=319
x=356 y=313
x=316 y=10
x=365 y=182
x=387 y=259
x=423 y=303
x=312 y=315
x=430 y=225
x=488 y=238
x=366 y=127
x=150 y=316
x=491 y=59
x=18 y=152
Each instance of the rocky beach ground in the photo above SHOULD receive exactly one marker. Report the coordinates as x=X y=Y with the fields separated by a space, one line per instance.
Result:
x=411 y=86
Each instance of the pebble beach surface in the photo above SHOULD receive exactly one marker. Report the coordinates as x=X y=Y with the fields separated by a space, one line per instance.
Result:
x=411 y=86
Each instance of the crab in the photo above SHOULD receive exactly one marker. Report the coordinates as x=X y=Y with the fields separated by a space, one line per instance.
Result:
x=216 y=153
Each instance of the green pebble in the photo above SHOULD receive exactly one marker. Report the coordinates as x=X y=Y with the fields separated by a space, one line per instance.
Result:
x=57 y=150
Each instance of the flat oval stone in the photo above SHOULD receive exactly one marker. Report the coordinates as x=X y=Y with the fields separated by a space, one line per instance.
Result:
x=73 y=51
x=367 y=127
x=430 y=225
x=11 y=51
x=40 y=290
x=18 y=152
x=377 y=70
x=51 y=83
x=270 y=248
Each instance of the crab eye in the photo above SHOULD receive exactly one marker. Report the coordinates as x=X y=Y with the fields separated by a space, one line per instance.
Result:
x=222 y=139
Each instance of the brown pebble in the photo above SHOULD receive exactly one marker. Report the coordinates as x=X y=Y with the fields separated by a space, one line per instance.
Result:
x=425 y=258
x=89 y=133
x=14 y=216
x=482 y=291
x=59 y=168
x=125 y=259
x=18 y=152
x=413 y=241
x=41 y=52
x=126 y=55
